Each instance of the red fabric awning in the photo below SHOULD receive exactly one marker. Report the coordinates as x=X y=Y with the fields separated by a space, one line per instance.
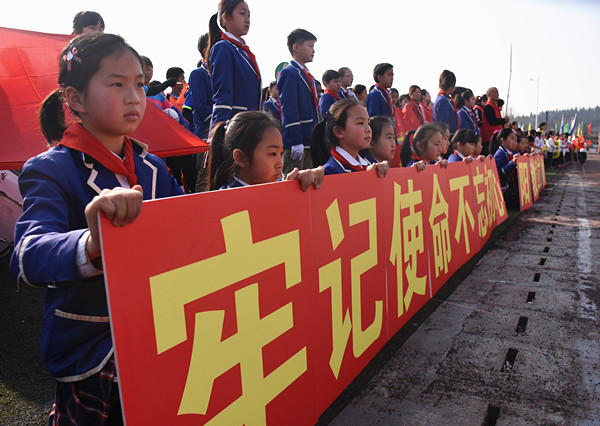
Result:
x=29 y=72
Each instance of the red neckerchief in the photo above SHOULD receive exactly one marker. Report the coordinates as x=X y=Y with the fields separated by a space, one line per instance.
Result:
x=342 y=160
x=332 y=93
x=415 y=156
x=77 y=137
x=509 y=153
x=417 y=109
x=453 y=106
x=245 y=49
x=313 y=89
x=389 y=101
x=472 y=114
x=459 y=155
x=278 y=106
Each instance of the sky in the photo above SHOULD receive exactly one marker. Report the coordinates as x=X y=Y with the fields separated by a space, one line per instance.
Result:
x=553 y=41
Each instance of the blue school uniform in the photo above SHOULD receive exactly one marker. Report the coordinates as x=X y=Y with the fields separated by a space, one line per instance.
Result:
x=504 y=164
x=234 y=182
x=466 y=119
x=325 y=102
x=236 y=84
x=444 y=111
x=298 y=109
x=415 y=160
x=377 y=103
x=455 y=157
x=56 y=186
x=343 y=163
x=200 y=100
x=369 y=159
x=273 y=107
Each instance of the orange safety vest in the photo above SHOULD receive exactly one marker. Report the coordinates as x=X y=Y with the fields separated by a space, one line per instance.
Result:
x=487 y=129
x=180 y=101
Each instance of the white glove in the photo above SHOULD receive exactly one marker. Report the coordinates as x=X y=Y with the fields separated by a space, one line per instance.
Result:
x=297 y=152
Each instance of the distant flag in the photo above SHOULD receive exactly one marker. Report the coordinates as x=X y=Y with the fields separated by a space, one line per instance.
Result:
x=562 y=124
x=573 y=123
x=566 y=128
x=529 y=128
x=556 y=128
x=590 y=128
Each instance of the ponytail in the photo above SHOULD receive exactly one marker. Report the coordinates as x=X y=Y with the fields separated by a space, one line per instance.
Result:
x=244 y=132
x=407 y=148
x=219 y=165
x=52 y=117
x=214 y=35
x=320 y=148
x=496 y=140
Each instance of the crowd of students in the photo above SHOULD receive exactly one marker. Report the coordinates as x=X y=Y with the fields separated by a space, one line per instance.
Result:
x=296 y=133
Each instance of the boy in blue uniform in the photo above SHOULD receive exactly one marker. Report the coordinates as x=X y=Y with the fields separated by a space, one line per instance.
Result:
x=379 y=100
x=299 y=101
x=332 y=82
x=272 y=105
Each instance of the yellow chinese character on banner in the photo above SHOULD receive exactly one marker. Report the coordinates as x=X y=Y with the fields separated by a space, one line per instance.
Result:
x=330 y=276
x=482 y=213
x=534 y=176
x=524 y=183
x=211 y=357
x=490 y=197
x=408 y=241
x=465 y=212
x=442 y=249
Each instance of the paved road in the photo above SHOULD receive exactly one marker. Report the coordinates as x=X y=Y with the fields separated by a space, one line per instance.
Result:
x=533 y=299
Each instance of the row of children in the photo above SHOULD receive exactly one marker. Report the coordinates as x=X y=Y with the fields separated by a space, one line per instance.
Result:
x=95 y=168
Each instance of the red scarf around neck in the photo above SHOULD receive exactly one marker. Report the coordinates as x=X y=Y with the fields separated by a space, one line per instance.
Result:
x=458 y=154
x=78 y=138
x=245 y=49
x=342 y=160
x=443 y=93
x=313 y=89
x=415 y=156
x=388 y=99
x=332 y=93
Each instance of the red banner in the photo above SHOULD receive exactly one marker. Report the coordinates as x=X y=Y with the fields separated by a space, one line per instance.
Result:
x=524 y=178
x=29 y=73
x=269 y=306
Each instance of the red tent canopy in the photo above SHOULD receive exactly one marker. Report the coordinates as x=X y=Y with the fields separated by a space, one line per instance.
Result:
x=29 y=72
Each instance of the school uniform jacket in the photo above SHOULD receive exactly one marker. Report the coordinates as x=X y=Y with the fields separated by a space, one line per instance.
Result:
x=453 y=158
x=56 y=186
x=377 y=104
x=272 y=106
x=444 y=111
x=325 y=103
x=467 y=120
x=504 y=164
x=200 y=100
x=297 y=106
x=236 y=86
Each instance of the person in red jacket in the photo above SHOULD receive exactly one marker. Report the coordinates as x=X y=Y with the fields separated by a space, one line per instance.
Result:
x=492 y=116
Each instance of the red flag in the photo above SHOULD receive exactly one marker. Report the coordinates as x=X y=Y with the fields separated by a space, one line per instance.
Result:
x=590 y=128
x=29 y=72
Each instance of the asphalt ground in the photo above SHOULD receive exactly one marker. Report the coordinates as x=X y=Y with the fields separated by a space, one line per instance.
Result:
x=27 y=390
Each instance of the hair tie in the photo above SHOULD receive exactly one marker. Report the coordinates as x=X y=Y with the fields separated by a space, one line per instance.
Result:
x=226 y=125
x=69 y=56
